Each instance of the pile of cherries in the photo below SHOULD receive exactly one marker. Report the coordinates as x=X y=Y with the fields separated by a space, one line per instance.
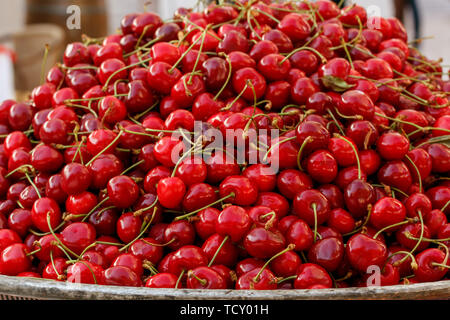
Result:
x=90 y=192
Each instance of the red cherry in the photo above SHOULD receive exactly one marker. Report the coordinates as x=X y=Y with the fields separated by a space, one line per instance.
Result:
x=178 y=234
x=123 y=192
x=43 y=209
x=75 y=178
x=234 y=222
x=14 y=260
x=363 y=252
x=310 y=274
x=121 y=276
x=171 y=192
x=311 y=206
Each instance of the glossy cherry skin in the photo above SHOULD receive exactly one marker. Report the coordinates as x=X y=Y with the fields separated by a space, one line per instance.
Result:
x=286 y=265
x=304 y=204
x=171 y=192
x=198 y=196
x=234 y=222
x=228 y=253
x=43 y=208
x=266 y=281
x=178 y=234
x=315 y=135
x=162 y=280
x=187 y=258
x=322 y=166
x=123 y=192
x=8 y=237
x=358 y=195
x=121 y=276
x=310 y=274
x=363 y=252
x=209 y=279
x=14 y=260
x=426 y=272
x=261 y=243
x=20 y=221
x=291 y=181
x=85 y=272
x=395 y=174
x=244 y=190
x=205 y=225
x=75 y=178
x=328 y=253
x=412 y=230
x=392 y=146
x=258 y=82
x=128 y=227
x=300 y=234
x=78 y=235
x=341 y=220
x=434 y=221
x=262 y=176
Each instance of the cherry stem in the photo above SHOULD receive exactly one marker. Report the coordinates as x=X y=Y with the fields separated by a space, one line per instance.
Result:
x=160 y=245
x=417 y=171
x=22 y=169
x=231 y=195
x=141 y=211
x=390 y=226
x=407 y=255
x=269 y=223
x=57 y=239
x=445 y=206
x=336 y=122
x=355 y=151
x=95 y=208
x=203 y=282
x=53 y=265
x=140 y=115
x=217 y=251
x=106 y=148
x=33 y=252
x=276 y=145
x=105 y=86
x=34 y=186
x=140 y=234
x=289 y=248
x=314 y=207
x=134 y=165
x=179 y=278
x=199 y=53
x=300 y=152
x=230 y=105
x=286 y=279
x=227 y=59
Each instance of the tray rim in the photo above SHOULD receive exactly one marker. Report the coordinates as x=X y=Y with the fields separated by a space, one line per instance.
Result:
x=53 y=290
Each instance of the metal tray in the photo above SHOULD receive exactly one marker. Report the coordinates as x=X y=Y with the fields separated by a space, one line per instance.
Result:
x=14 y=288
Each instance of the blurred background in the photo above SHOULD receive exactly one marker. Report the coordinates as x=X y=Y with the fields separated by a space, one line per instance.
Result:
x=422 y=18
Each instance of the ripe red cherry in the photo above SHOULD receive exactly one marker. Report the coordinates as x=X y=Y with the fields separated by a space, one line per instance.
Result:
x=205 y=278
x=104 y=168
x=227 y=254
x=187 y=258
x=286 y=265
x=426 y=271
x=248 y=281
x=295 y=27
x=43 y=208
x=387 y=211
x=14 y=260
x=162 y=280
x=313 y=134
x=322 y=166
x=78 y=235
x=198 y=196
x=363 y=252
x=186 y=89
x=128 y=227
x=355 y=102
x=46 y=159
x=358 y=195
x=261 y=243
x=171 y=192
x=392 y=146
x=178 y=234
x=310 y=274
x=311 y=206
x=75 y=178
x=302 y=90
x=234 y=222
x=8 y=237
x=244 y=79
x=123 y=192
x=121 y=276
x=145 y=24
x=205 y=225
x=291 y=181
x=243 y=191
x=395 y=174
x=300 y=234
x=162 y=77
